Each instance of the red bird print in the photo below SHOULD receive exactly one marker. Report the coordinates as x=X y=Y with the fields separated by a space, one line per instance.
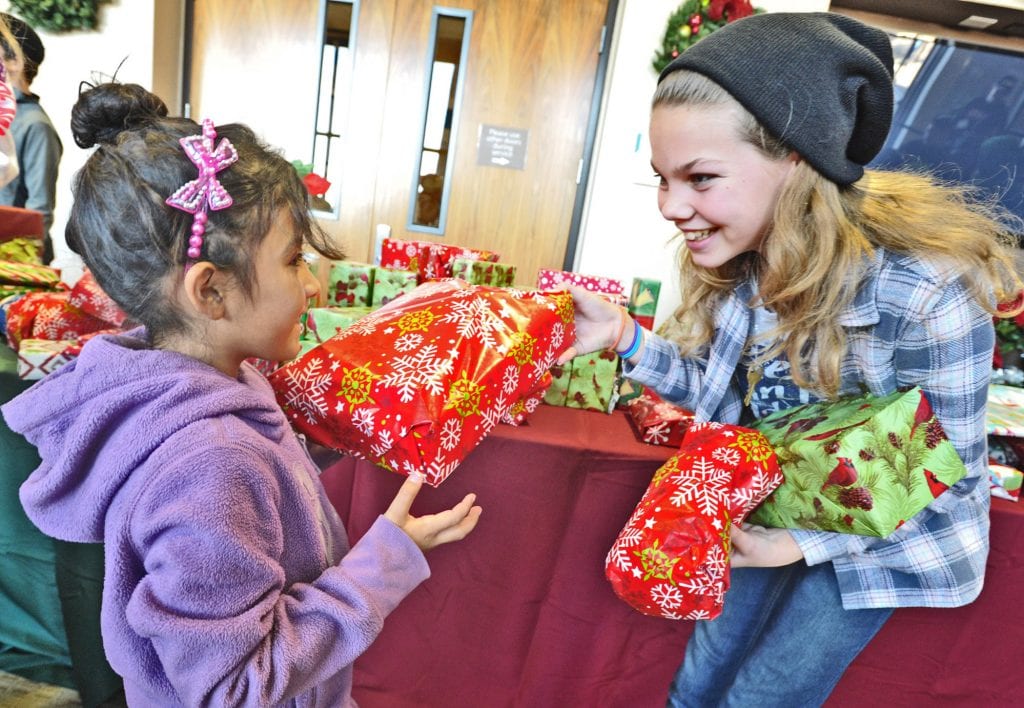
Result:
x=936 y=485
x=843 y=474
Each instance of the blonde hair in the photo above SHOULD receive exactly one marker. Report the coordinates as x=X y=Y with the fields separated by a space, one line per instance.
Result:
x=819 y=230
x=8 y=43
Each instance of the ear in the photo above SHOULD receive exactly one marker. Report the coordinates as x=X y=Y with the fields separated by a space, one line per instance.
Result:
x=205 y=288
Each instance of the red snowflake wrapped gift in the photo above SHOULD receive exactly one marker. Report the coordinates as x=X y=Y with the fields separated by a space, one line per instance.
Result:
x=672 y=557
x=48 y=315
x=415 y=385
x=87 y=296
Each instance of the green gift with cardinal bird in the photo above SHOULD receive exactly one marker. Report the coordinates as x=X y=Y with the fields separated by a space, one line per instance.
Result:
x=860 y=465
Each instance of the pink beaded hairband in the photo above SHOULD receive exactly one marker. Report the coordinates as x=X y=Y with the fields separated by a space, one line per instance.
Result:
x=205 y=192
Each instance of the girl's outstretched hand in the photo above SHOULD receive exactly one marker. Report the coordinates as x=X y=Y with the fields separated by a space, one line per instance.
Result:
x=756 y=546
x=433 y=529
x=597 y=324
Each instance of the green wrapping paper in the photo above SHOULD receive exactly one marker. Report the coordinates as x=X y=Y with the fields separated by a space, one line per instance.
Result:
x=586 y=382
x=322 y=323
x=389 y=283
x=860 y=465
x=350 y=284
x=500 y=275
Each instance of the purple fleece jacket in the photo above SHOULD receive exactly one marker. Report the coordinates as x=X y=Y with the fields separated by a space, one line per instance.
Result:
x=228 y=576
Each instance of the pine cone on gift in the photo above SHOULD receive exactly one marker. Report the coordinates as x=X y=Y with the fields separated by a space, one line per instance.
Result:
x=934 y=434
x=856 y=498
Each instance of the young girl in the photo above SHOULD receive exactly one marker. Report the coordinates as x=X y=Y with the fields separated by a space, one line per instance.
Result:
x=805 y=277
x=228 y=575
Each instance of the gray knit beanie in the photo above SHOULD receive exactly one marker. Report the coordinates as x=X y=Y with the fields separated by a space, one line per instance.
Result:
x=818 y=81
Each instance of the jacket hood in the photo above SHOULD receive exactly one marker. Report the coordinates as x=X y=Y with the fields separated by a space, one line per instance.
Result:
x=100 y=417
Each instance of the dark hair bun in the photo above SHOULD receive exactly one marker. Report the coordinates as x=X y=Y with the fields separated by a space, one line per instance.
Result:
x=105 y=111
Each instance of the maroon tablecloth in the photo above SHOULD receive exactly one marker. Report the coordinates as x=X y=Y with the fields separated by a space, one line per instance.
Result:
x=520 y=614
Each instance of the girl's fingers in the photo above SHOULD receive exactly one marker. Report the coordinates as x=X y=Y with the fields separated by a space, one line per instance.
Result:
x=400 y=505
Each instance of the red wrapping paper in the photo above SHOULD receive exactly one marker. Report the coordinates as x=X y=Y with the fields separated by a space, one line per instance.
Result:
x=415 y=385
x=672 y=557
x=656 y=421
x=427 y=258
x=49 y=315
x=87 y=296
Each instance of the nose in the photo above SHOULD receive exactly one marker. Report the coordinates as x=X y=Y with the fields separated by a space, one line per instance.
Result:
x=310 y=284
x=676 y=203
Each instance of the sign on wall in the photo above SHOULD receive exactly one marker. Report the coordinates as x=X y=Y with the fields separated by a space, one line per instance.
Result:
x=502 y=147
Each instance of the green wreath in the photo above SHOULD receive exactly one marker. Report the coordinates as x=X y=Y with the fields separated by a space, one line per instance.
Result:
x=694 y=20
x=58 y=15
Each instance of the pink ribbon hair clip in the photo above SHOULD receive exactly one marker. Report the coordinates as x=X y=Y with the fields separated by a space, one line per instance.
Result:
x=205 y=193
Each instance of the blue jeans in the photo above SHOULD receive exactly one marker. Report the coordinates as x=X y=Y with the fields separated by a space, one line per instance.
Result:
x=783 y=639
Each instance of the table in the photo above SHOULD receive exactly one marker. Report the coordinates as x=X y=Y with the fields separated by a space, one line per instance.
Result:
x=520 y=614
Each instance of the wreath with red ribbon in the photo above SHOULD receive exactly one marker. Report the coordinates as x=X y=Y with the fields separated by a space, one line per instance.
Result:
x=695 y=19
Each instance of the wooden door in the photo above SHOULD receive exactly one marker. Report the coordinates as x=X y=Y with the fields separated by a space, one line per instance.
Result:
x=531 y=66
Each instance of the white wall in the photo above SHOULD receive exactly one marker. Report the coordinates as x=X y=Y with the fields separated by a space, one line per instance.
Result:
x=72 y=57
x=622 y=234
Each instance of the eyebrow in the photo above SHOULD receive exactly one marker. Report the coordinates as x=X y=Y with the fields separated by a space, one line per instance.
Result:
x=683 y=168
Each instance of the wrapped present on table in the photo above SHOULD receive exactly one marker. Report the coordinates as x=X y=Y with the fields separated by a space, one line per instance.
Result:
x=39 y=357
x=389 y=283
x=429 y=259
x=643 y=301
x=350 y=284
x=21 y=250
x=548 y=279
x=860 y=465
x=87 y=296
x=17 y=277
x=415 y=385
x=49 y=315
x=586 y=382
x=1005 y=481
x=478 y=272
x=1004 y=414
x=672 y=557
x=627 y=390
x=322 y=323
x=656 y=421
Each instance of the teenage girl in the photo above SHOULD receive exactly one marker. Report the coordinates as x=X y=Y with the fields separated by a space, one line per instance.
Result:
x=806 y=277
x=228 y=575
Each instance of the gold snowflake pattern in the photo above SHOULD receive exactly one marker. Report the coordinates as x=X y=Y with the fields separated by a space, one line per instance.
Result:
x=755 y=445
x=464 y=397
x=669 y=468
x=564 y=307
x=656 y=563
x=416 y=321
x=521 y=350
x=356 y=384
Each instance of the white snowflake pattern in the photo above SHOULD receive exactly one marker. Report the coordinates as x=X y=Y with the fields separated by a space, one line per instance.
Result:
x=557 y=335
x=361 y=327
x=760 y=486
x=695 y=615
x=728 y=456
x=49 y=322
x=362 y=418
x=492 y=414
x=305 y=387
x=703 y=483
x=408 y=342
x=530 y=404
x=630 y=536
x=657 y=434
x=699 y=584
x=451 y=433
x=384 y=443
x=510 y=379
x=666 y=597
x=618 y=556
x=421 y=369
x=474 y=319
x=438 y=470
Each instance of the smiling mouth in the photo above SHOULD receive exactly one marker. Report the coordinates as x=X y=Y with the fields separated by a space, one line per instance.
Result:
x=698 y=235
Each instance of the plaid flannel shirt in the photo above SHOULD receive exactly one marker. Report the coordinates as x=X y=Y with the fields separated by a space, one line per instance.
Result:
x=911 y=324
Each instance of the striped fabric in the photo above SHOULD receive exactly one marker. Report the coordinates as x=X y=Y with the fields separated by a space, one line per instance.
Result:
x=910 y=324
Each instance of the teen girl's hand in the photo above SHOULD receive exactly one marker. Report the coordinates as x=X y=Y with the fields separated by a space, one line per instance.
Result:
x=756 y=546
x=433 y=529
x=598 y=324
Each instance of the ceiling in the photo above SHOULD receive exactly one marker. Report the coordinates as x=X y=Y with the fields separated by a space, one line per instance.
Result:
x=1008 y=14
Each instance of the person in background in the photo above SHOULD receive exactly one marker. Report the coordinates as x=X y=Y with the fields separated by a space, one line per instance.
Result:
x=38 y=147
x=229 y=579
x=805 y=277
x=8 y=108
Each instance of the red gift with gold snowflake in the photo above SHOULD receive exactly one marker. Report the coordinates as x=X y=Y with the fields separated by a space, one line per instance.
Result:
x=672 y=557
x=415 y=385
